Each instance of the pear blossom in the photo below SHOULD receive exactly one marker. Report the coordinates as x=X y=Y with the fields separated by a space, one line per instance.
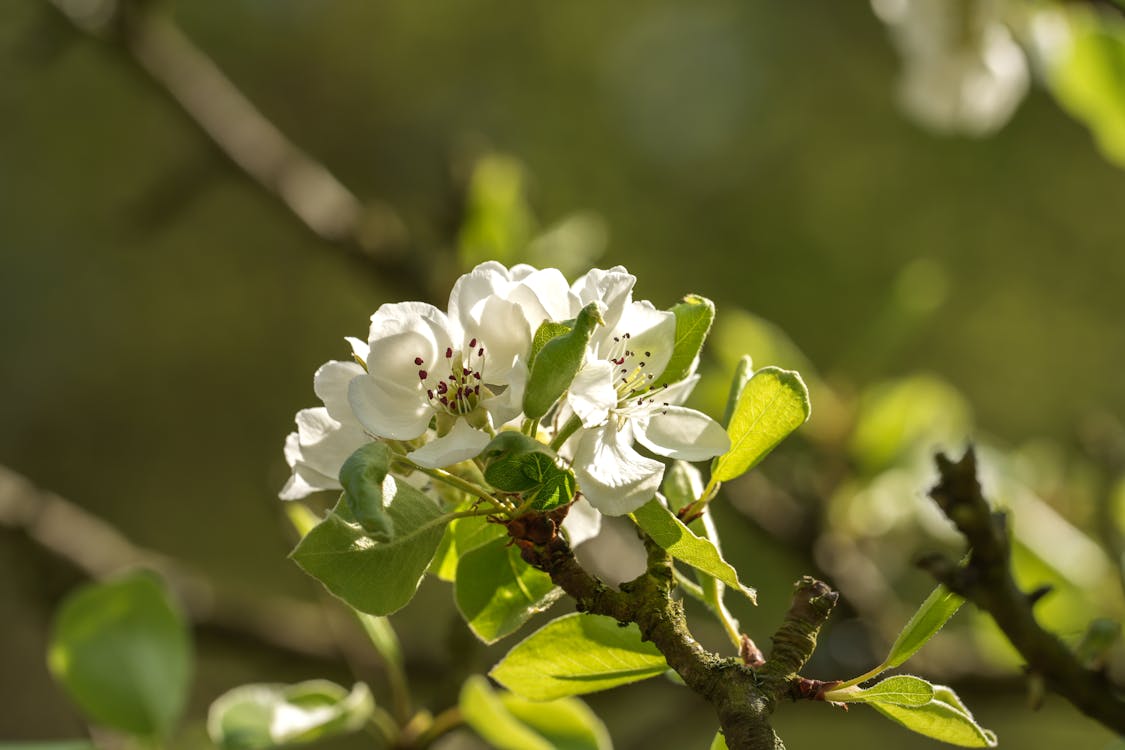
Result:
x=619 y=397
x=325 y=435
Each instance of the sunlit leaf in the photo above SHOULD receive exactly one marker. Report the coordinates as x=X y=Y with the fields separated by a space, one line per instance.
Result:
x=375 y=577
x=497 y=592
x=693 y=322
x=900 y=690
x=1088 y=79
x=719 y=743
x=498 y=220
x=509 y=722
x=462 y=535
x=944 y=718
x=934 y=612
x=578 y=654
x=123 y=653
x=254 y=717
x=773 y=404
x=683 y=544
x=742 y=374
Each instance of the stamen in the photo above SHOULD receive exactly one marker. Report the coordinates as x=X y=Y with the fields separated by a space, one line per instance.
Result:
x=418 y=360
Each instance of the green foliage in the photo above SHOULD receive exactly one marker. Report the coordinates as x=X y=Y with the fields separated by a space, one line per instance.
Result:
x=578 y=654
x=498 y=220
x=1089 y=80
x=742 y=374
x=382 y=637
x=255 y=717
x=375 y=577
x=547 y=331
x=773 y=404
x=931 y=616
x=944 y=718
x=518 y=463
x=509 y=722
x=123 y=653
x=497 y=592
x=554 y=368
x=693 y=322
x=681 y=543
x=900 y=690
x=362 y=476
x=719 y=743
x=461 y=536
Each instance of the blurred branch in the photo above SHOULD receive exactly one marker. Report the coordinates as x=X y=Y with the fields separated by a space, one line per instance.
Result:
x=987 y=581
x=99 y=550
x=155 y=45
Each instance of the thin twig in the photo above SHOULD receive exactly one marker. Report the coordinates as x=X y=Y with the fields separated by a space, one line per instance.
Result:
x=987 y=581
x=153 y=44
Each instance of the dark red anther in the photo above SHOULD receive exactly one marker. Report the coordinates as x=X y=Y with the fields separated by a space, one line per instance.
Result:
x=480 y=352
x=472 y=344
x=422 y=374
x=448 y=353
x=417 y=360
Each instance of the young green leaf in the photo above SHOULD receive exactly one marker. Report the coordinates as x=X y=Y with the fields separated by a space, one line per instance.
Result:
x=497 y=592
x=375 y=577
x=546 y=331
x=693 y=322
x=123 y=653
x=508 y=722
x=578 y=654
x=773 y=404
x=684 y=545
x=900 y=690
x=720 y=742
x=260 y=716
x=935 y=611
x=462 y=535
x=682 y=485
x=944 y=718
x=362 y=476
x=556 y=365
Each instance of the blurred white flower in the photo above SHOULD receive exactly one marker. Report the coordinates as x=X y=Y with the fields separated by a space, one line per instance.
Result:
x=962 y=70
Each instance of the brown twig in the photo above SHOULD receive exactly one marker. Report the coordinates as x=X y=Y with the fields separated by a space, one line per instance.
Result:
x=743 y=698
x=986 y=580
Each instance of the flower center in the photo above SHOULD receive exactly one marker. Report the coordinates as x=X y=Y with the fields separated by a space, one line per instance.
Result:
x=457 y=392
x=634 y=384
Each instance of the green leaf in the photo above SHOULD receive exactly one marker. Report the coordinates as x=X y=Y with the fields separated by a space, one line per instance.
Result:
x=533 y=473
x=123 y=653
x=546 y=331
x=900 y=690
x=498 y=221
x=462 y=535
x=508 y=722
x=935 y=611
x=720 y=742
x=252 y=717
x=362 y=476
x=497 y=592
x=1089 y=80
x=578 y=654
x=375 y=577
x=554 y=369
x=773 y=404
x=944 y=718
x=684 y=545
x=693 y=322
x=742 y=373
x=682 y=485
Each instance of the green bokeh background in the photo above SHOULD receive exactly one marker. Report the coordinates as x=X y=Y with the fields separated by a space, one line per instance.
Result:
x=163 y=316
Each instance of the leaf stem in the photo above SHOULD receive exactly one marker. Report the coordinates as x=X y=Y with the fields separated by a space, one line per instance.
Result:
x=870 y=675
x=385 y=724
x=567 y=430
x=455 y=481
x=443 y=723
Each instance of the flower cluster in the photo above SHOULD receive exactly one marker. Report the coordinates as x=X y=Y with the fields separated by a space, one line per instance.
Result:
x=439 y=386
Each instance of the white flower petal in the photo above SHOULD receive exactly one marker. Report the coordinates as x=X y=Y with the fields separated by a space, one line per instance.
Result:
x=549 y=291
x=679 y=432
x=612 y=287
x=360 y=349
x=508 y=404
x=486 y=280
x=652 y=336
x=592 y=394
x=460 y=444
x=389 y=410
x=398 y=317
x=677 y=393
x=325 y=443
x=305 y=481
x=504 y=334
x=614 y=477
x=582 y=522
x=331 y=385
